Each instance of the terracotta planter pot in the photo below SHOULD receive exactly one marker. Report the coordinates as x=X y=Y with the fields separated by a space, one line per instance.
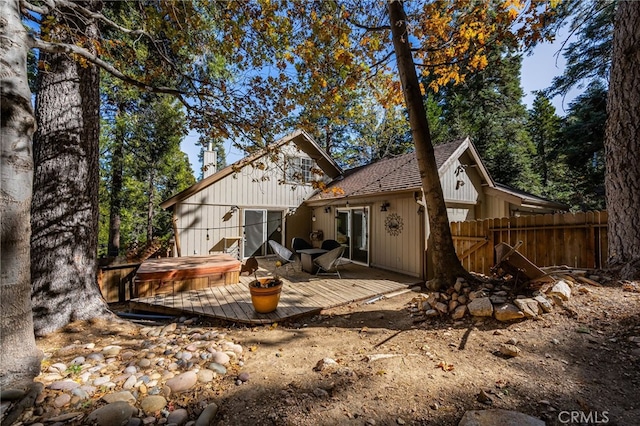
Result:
x=265 y=299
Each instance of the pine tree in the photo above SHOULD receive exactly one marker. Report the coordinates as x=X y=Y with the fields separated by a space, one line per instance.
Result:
x=581 y=146
x=543 y=126
x=488 y=108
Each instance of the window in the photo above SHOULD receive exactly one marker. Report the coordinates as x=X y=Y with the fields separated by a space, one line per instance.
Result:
x=299 y=169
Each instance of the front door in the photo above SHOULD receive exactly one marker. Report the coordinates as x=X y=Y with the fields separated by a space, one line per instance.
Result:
x=352 y=230
x=261 y=226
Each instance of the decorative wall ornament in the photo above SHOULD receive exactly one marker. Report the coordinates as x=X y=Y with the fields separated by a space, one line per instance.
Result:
x=393 y=224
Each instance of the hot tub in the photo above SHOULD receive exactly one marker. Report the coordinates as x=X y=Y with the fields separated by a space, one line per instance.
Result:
x=176 y=274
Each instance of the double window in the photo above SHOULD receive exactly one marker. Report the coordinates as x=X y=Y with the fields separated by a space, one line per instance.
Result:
x=299 y=170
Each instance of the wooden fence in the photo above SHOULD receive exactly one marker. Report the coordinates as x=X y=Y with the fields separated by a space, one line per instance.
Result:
x=577 y=240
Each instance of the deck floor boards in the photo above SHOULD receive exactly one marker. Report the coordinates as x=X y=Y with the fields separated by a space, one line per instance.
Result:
x=302 y=294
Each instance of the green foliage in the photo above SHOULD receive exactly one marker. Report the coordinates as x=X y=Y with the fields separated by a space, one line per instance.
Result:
x=154 y=168
x=382 y=132
x=582 y=146
x=487 y=107
x=544 y=126
x=589 y=56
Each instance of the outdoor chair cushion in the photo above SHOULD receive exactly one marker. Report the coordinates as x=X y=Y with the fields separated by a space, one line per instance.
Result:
x=284 y=255
x=328 y=262
x=300 y=244
x=330 y=245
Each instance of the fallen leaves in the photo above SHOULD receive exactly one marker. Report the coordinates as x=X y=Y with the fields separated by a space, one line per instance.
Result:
x=445 y=366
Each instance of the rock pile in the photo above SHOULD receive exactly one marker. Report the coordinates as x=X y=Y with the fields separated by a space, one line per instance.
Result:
x=491 y=300
x=145 y=382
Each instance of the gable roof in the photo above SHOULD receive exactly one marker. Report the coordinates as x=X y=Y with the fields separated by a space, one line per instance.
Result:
x=529 y=200
x=301 y=138
x=399 y=173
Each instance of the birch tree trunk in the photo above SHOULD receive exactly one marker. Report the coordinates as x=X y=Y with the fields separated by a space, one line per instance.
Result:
x=447 y=266
x=622 y=143
x=19 y=357
x=65 y=200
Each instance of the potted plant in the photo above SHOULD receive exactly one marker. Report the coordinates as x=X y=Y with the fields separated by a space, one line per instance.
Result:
x=265 y=293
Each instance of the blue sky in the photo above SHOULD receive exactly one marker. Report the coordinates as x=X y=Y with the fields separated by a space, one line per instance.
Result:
x=538 y=70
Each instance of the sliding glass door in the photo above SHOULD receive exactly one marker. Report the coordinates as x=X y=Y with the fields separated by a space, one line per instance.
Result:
x=261 y=226
x=352 y=230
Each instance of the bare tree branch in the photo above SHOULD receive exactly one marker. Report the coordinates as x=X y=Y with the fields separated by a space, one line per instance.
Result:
x=367 y=28
x=84 y=53
x=24 y=4
x=100 y=17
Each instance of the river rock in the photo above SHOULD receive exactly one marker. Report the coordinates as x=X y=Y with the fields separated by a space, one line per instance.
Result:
x=101 y=380
x=119 y=396
x=170 y=328
x=207 y=415
x=64 y=385
x=79 y=360
x=205 y=375
x=182 y=382
x=218 y=368
x=130 y=382
x=112 y=414
x=111 y=350
x=508 y=312
x=80 y=393
x=152 y=404
x=480 y=307
x=178 y=417
x=58 y=367
x=498 y=417
x=62 y=400
x=509 y=350
x=221 y=358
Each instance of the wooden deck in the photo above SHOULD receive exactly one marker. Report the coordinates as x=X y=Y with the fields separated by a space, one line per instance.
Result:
x=302 y=294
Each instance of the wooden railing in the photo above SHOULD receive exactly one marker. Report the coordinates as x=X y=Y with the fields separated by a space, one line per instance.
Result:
x=577 y=240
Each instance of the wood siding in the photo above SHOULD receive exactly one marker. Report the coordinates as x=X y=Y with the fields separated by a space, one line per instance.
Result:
x=399 y=253
x=209 y=211
x=578 y=240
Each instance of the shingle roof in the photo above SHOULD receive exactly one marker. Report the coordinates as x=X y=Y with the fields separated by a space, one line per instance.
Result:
x=386 y=175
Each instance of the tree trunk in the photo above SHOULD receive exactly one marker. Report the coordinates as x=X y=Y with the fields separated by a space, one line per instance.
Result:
x=622 y=143
x=19 y=356
x=447 y=266
x=115 y=205
x=150 y=206
x=65 y=199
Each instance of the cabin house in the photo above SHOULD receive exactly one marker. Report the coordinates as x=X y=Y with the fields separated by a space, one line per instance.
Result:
x=377 y=211
x=238 y=209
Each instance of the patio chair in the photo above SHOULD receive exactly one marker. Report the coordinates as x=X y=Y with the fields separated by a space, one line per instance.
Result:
x=284 y=255
x=328 y=262
x=330 y=245
x=300 y=244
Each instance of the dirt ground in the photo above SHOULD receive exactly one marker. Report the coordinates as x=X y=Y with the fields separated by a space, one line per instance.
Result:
x=578 y=365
